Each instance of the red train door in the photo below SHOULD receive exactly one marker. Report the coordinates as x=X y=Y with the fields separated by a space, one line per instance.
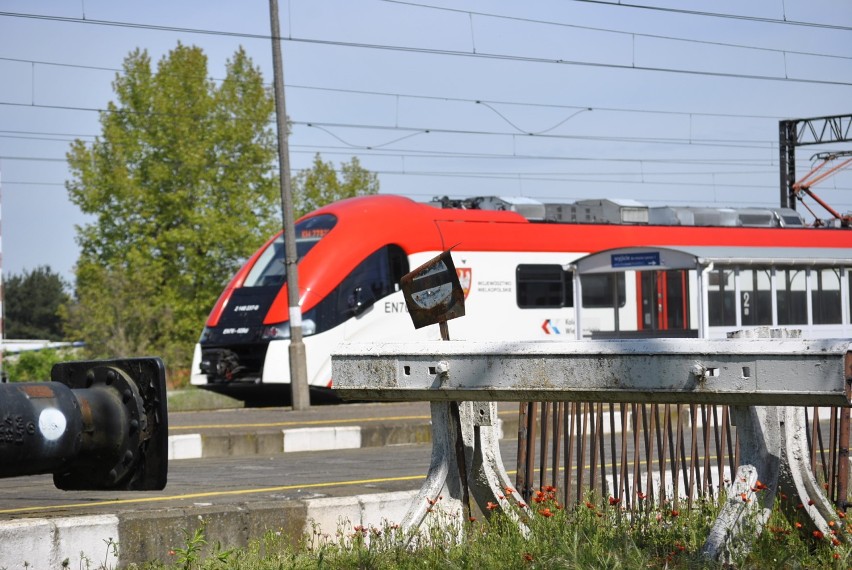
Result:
x=663 y=300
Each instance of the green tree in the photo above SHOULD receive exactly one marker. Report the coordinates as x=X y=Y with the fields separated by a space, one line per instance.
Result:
x=181 y=183
x=320 y=185
x=32 y=302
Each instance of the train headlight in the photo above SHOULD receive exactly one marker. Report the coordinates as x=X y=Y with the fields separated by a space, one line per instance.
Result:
x=282 y=330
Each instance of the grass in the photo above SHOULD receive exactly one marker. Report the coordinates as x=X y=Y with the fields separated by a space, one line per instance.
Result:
x=595 y=534
x=191 y=399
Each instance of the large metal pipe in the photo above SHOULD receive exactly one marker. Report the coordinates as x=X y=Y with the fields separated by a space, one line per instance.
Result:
x=97 y=425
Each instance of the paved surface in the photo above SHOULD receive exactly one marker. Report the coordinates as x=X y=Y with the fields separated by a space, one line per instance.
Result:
x=148 y=525
x=280 y=430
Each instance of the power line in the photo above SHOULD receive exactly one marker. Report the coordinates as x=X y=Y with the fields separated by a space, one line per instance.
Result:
x=682 y=162
x=719 y=15
x=442 y=98
x=765 y=145
x=414 y=131
x=435 y=51
x=622 y=32
x=567 y=62
x=527 y=178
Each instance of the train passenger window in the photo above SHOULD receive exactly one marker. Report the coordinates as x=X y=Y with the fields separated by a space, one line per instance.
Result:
x=550 y=286
x=603 y=290
x=825 y=296
x=791 y=296
x=720 y=298
x=270 y=269
x=542 y=286
x=755 y=297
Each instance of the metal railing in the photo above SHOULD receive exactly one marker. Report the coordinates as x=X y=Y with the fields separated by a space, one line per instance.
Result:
x=654 y=453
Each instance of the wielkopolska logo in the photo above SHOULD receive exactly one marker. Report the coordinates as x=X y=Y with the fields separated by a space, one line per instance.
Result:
x=465 y=278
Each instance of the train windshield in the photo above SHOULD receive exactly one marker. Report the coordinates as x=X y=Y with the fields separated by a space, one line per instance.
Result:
x=270 y=268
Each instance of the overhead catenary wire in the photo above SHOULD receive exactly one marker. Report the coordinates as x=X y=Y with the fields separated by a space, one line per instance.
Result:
x=445 y=98
x=621 y=4
x=435 y=51
x=472 y=13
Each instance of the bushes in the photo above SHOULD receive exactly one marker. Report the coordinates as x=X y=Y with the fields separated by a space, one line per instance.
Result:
x=35 y=365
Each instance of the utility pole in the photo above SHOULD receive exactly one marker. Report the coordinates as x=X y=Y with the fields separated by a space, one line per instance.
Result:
x=298 y=367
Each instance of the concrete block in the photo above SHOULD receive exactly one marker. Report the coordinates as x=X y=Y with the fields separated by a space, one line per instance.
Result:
x=86 y=539
x=385 y=508
x=47 y=543
x=185 y=446
x=27 y=541
x=322 y=438
x=329 y=515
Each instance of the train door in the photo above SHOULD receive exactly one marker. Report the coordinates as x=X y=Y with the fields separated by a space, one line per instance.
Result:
x=665 y=282
x=663 y=300
x=370 y=299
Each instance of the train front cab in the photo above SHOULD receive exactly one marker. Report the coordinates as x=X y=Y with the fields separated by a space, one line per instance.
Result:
x=707 y=292
x=254 y=365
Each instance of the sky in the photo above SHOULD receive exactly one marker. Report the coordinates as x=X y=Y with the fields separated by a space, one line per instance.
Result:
x=660 y=101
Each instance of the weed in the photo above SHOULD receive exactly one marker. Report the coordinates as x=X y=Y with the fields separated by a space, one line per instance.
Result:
x=600 y=532
x=190 y=555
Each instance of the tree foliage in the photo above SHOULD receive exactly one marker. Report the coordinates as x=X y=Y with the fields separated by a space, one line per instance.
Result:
x=181 y=185
x=320 y=185
x=32 y=302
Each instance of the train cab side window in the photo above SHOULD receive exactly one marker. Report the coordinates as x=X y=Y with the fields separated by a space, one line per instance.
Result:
x=543 y=286
x=374 y=278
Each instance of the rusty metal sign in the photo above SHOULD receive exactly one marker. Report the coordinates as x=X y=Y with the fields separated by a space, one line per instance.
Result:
x=433 y=293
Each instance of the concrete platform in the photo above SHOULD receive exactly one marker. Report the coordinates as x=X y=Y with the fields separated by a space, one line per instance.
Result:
x=150 y=534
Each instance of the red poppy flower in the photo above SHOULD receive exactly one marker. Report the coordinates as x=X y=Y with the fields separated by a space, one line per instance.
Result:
x=545 y=512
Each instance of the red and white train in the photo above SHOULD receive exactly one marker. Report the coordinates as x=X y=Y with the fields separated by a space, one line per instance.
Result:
x=530 y=271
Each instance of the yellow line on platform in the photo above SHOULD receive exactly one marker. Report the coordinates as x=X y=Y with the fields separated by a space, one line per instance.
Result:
x=143 y=500
x=299 y=423
x=307 y=422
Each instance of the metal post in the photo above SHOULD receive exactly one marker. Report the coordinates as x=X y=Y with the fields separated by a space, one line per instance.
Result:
x=298 y=366
x=787 y=151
